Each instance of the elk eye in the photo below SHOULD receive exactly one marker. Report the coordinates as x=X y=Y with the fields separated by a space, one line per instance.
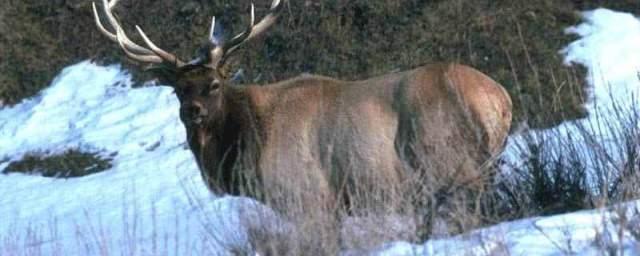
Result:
x=208 y=90
x=214 y=86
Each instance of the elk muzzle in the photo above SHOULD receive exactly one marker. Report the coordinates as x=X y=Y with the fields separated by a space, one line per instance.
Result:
x=194 y=112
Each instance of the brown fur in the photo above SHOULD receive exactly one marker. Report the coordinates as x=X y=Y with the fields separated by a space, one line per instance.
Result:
x=314 y=138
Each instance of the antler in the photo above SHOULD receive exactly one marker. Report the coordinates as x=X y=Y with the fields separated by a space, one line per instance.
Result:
x=222 y=50
x=152 y=54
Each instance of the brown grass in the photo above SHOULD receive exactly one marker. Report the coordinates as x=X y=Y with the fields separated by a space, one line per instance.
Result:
x=69 y=164
x=432 y=201
x=515 y=42
x=428 y=202
x=431 y=205
x=345 y=39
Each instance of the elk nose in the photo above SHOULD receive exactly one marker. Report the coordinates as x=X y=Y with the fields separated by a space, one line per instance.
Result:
x=195 y=112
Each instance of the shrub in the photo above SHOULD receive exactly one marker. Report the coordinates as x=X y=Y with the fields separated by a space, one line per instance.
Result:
x=69 y=164
x=345 y=39
x=579 y=165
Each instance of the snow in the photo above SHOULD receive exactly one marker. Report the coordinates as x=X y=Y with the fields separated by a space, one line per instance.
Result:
x=153 y=200
x=609 y=46
x=580 y=233
x=153 y=183
x=610 y=49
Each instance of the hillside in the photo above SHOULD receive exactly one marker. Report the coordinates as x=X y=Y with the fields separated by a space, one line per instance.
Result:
x=515 y=42
x=151 y=200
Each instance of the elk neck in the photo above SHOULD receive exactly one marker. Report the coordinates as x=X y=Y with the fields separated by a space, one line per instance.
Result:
x=234 y=129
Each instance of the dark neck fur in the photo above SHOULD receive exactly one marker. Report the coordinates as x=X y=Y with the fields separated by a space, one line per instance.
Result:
x=232 y=144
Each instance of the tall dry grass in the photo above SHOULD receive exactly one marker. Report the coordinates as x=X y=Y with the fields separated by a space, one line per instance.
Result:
x=425 y=205
x=437 y=195
x=136 y=234
x=583 y=164
x=560 y=170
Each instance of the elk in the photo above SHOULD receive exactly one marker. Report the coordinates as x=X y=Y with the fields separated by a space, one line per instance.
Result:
x=321 y=135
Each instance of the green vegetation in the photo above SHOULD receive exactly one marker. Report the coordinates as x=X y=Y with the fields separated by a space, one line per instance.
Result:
x=70 y=164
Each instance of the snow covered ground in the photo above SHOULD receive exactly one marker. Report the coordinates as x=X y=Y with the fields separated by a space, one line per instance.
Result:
x=153 y=202
x=610 y=48
x=152 y=193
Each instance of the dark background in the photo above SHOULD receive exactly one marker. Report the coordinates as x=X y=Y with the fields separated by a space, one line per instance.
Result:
x=516 y=42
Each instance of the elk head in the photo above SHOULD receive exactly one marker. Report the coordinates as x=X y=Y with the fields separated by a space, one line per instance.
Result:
x=199 y=83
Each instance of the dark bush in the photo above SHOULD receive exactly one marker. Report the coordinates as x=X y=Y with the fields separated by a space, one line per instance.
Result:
x=579 y=168
x=69 y=164
x=347 y=39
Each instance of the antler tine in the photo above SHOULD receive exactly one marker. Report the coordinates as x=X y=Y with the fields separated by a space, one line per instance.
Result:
x=138 y=57
x=239 y=39
x=153 y=54
x=116 y=26
x=212 y=30
x=113 y=3
x=250 y=32
x=161 y=53
x=103 y=30
x=268 y=20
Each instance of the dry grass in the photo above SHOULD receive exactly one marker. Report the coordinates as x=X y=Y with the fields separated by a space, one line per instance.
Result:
x=69 y=164
x=432 y=200
x=357 y=39
x=576 y=168
x=426 y=206
x=134 y=235
x=345 y=39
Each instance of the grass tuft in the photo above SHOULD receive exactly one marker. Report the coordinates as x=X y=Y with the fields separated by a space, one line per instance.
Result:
x=344 y=39
x=69 y=164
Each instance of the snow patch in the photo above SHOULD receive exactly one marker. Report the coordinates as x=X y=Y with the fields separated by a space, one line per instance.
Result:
x=154 y=189
x=154 y=193
x=610 y=49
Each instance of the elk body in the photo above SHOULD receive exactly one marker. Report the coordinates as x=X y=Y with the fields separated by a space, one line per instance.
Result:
x=315 y=138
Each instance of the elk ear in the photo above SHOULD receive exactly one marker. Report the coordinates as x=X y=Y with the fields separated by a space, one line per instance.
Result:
x=238 y=77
